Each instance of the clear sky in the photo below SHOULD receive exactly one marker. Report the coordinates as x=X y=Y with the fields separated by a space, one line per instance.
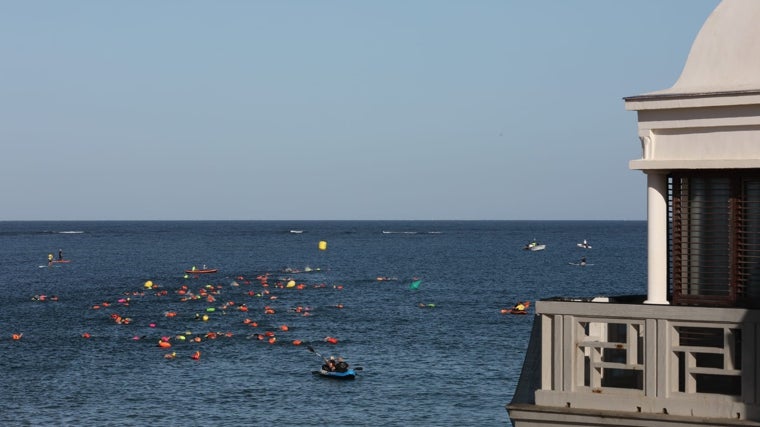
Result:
x=393 y=109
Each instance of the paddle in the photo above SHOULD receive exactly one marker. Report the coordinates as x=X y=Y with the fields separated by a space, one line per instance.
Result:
x=311 y=349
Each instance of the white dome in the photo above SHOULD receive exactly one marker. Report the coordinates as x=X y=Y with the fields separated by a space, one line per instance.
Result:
x=725 y=56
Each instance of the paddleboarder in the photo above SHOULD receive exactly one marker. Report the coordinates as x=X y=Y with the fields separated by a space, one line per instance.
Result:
x=60 y=254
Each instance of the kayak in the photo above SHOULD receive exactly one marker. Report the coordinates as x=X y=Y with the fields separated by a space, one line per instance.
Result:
x=202 y=271
x=348 y=375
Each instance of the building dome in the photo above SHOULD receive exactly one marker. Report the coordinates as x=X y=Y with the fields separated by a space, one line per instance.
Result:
x=725 y=56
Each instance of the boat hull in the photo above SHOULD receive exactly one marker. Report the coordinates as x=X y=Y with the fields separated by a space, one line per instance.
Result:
x=348 y=375
x=205 y=271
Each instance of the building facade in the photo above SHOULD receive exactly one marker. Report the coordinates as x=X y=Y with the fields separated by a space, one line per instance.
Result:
x=687 y=353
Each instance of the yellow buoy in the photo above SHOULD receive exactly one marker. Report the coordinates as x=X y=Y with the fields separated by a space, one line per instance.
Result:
x=322 y=245
x=291 y=284
x=149 y=284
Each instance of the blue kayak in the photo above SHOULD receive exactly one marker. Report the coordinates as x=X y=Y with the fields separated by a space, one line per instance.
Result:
x=348 y=375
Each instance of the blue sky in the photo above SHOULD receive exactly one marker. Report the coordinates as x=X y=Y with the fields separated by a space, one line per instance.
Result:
x=391 y=110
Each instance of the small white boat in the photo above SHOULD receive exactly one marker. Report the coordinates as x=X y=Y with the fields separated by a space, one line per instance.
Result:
x=296 y=231
x=534 y=246
x=584 y=245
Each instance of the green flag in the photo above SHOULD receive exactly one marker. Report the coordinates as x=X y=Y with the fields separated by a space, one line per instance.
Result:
x=415 y=284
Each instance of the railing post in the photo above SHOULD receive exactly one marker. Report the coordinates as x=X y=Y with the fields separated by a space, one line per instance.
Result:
x=556 y=351
x=569 y=342
x=651 y=362
x=667 y=362
x=750 y=362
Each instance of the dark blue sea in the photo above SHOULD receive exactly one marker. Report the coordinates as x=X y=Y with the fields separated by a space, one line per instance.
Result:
x=454 y=361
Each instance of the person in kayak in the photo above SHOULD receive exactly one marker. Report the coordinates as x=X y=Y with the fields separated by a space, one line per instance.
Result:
x=519 y=306
x=341 y=366
x=329 y=365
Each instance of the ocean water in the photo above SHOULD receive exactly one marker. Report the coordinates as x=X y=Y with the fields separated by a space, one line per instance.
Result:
x=454 y=361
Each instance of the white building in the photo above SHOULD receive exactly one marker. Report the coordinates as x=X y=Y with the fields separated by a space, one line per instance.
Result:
x=688 y=352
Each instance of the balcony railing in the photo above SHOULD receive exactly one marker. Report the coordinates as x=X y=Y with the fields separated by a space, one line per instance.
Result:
x=692 y=361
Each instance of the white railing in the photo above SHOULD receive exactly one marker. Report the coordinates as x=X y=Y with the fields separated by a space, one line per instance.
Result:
x=694 y=361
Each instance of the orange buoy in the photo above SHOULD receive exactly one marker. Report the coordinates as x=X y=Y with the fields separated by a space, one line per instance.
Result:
x=86 y=335
x=17 y=336
x=331 y=340
x=196 y=355
x=297 y=342
x=272 y=340
x=164 y=344
x=284 y=328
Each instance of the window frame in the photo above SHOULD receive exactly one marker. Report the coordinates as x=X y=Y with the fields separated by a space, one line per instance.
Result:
x=742 y=235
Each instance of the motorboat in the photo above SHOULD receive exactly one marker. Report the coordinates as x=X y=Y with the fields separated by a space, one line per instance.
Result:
x=201 y=271
x=534 y=246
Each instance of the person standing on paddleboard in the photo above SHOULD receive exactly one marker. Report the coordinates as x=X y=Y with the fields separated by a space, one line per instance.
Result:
x=60 y=254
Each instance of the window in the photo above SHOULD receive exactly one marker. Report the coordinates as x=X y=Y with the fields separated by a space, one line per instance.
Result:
x=715 y=237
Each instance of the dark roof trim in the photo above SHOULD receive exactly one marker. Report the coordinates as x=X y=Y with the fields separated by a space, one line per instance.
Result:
x=658 y=96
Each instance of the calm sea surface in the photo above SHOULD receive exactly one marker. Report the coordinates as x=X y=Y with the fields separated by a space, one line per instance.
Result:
x=454 y=362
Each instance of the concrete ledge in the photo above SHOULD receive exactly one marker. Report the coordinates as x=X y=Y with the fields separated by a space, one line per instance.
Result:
x=525 y=415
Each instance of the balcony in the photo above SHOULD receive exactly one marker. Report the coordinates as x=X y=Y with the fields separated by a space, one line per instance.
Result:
x=619 y=358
